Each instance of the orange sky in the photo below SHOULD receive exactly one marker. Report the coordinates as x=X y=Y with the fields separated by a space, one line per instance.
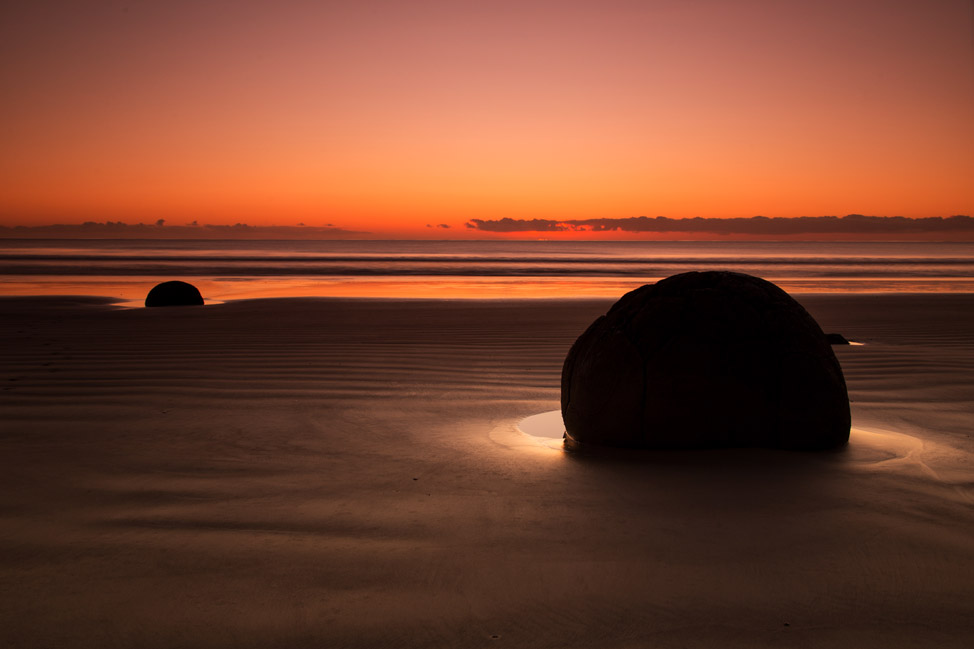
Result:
x=386 y=116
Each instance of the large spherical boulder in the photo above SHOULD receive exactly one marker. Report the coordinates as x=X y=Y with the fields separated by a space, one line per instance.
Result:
x=708 y=359
x=174 y=293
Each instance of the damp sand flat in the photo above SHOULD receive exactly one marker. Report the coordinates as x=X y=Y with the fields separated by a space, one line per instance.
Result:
x=349 y=473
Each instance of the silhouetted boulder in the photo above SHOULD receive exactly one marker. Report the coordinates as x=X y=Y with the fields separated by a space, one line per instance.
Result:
x=174 y=293
x=836 y=339
x=711 y=359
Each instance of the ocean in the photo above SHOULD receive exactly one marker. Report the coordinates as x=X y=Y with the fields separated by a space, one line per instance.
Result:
x=225 y=270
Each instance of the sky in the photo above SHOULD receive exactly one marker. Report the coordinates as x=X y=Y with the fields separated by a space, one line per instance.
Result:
x=418 y=119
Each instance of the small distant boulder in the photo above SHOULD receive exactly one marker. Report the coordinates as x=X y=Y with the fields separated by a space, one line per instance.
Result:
x=174 y=293
x=836 y=339
x=705 y=359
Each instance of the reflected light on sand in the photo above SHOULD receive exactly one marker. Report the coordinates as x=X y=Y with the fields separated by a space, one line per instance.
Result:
x=133 y=289
x=870 y=448
x=546 y=429
x=221 y=289
x=884 y=450
x=879 y=447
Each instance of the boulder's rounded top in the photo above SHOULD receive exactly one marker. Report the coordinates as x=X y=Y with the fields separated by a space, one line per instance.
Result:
x=705 y=359
x=174 y=293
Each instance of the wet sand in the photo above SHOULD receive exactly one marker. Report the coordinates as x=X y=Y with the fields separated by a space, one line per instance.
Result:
x=349 y=473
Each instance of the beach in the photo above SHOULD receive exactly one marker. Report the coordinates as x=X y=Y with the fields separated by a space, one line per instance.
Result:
x=350 y=473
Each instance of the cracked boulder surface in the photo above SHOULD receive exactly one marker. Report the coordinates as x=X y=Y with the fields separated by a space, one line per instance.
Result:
x=703 y=360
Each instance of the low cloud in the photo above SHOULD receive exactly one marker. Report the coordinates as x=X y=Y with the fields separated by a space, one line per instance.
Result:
x=519 y=225
x=852 y=224
x=159 y=230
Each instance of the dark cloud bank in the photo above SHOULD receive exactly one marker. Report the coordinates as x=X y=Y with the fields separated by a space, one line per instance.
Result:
x=159 y=230
x=853 y=224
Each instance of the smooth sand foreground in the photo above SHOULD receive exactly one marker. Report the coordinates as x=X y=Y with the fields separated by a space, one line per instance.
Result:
x=279 y=473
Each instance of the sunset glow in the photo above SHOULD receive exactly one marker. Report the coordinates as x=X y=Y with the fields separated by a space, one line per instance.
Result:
x=388 y=118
